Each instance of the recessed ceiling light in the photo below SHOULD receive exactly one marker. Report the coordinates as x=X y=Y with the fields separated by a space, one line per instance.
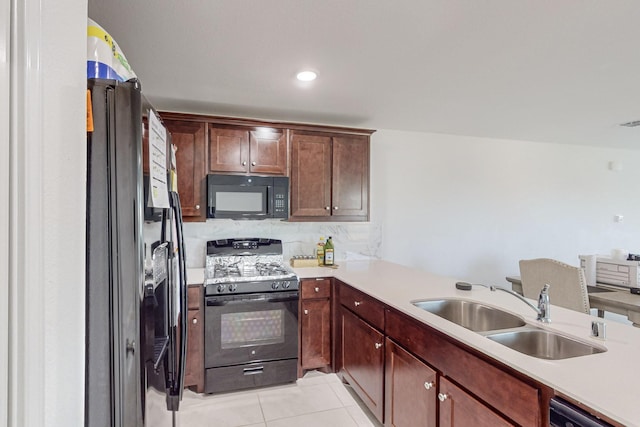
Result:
x=306 y=76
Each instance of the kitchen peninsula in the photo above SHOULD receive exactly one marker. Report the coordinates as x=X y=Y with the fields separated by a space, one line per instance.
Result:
x=605 y=383
x=609 y=391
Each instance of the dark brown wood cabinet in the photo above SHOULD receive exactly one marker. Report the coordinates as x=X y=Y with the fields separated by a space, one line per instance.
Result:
x=459 y=408
x=194 y=365
x=189 y=139
x=417 y=395
x=329 y=176
x=410 y=389
x=494 y=388
x=259 y=150
x=362 y=347
x=329 y=166
x=315 y=323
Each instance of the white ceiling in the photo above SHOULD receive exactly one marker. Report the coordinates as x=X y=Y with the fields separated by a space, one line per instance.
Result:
x=565 y=71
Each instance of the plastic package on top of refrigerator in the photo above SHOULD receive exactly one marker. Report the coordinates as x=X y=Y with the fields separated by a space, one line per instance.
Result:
x=105 y=60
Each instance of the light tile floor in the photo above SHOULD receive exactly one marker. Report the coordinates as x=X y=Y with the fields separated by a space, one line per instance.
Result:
x=317 y=400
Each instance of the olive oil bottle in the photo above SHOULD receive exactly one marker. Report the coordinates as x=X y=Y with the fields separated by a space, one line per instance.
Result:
x=328 y=252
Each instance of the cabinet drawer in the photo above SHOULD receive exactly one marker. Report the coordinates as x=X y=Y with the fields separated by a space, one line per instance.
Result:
x=363 y=305
x=316 y=288
x=194 y=297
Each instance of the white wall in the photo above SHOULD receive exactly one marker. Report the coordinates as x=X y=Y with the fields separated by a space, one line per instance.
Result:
x=47 y=214
x=470 y=208
x=64 y=152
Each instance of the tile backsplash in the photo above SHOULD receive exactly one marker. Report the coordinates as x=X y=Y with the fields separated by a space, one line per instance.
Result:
x=351 y=240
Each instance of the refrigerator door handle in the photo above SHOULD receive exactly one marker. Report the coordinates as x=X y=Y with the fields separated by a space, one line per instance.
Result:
x=177 y=368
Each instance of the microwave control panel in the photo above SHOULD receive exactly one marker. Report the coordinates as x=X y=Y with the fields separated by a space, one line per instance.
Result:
x=281 y=197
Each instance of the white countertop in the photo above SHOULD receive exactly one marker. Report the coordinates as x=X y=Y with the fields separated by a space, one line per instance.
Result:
x=195 y=276
x=607 y=382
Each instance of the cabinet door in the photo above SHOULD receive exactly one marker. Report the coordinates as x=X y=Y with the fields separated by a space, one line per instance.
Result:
x=350 y=185
x=457 y=408
x=316 y=333
x=194 y=364
x=268 y=151
x=228 y=150
x=310 y=175
x=189 y=139
x=363 y=360
x=410 y=387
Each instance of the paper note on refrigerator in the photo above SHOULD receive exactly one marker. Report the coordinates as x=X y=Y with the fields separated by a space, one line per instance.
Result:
x=158 y=190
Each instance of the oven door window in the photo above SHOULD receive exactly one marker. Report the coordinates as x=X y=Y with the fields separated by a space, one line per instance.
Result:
x=252 y=328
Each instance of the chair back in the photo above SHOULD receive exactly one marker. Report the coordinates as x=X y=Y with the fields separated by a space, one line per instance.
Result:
x=568 y=284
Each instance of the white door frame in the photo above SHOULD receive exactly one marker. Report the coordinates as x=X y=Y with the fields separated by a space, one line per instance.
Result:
x=26 y=314
x=5 y=42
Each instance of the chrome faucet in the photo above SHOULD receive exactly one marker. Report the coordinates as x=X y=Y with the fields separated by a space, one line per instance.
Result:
x=543 y=308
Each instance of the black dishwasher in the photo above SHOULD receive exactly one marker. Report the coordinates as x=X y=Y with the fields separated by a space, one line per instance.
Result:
x=565 y=414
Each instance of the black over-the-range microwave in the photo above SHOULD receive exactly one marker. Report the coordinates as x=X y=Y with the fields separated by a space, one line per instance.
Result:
x=247 y=197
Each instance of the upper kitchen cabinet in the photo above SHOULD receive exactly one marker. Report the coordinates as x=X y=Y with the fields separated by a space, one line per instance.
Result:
x=329 y=176
x=259 y=150
x=189 y=139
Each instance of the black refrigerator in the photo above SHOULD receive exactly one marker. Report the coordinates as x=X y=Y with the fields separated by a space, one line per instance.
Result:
x=135 y=291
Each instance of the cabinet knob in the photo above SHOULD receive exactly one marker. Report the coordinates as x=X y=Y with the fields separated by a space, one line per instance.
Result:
x=378 y=345
x=442 y=397
x=253 y=163
x=327 y=208
x=244 y=163
x=306 y=312
x=197 y=207
x=317 y=289
x=194 y=321
x=130 y=346
x=335 y=208
x=428 y=385
x=357 y=303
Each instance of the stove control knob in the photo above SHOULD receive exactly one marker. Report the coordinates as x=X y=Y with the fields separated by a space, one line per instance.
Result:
x=221 y=288
x=286 y=285
x=233 y=287
x=275 y=285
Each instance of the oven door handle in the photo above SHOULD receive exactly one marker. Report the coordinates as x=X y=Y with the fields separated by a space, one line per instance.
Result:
x=244 y=299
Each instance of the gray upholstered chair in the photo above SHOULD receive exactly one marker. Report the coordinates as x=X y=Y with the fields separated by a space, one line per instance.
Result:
x=568 y=284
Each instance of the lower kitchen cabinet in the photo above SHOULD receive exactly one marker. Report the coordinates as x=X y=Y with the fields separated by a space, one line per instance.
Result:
x=410 y=389
x=363 y=360
x=194 y=365
x=458 y=408
x=315 y=323
x=489 y=388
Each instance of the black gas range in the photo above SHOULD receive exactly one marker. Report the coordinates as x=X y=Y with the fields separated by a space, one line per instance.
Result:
x=251 y=315
x=247 y=265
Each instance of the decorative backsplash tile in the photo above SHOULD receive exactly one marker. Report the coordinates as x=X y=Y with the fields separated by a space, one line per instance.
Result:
x=351 y=240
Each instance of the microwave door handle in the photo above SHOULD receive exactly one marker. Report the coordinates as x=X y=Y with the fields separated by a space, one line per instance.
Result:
x=270 y=197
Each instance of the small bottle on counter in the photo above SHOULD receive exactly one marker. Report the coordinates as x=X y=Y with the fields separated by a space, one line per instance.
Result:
x=320 y=251
x=328 y=252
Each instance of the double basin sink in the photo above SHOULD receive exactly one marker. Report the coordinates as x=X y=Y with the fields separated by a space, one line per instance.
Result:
x=508 y=329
